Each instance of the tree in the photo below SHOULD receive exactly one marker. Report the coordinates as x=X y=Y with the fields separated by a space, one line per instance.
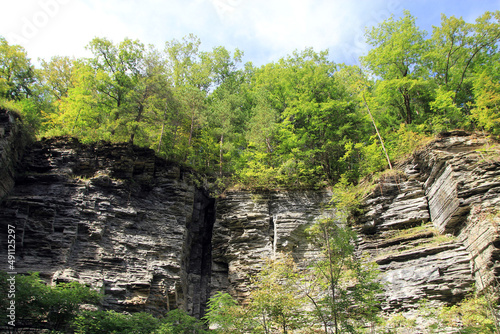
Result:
x=300 y=120
x=110 y=322
x=274 y=298
x=17 y=75
x=181 y=322
x=397 y=59
x=486 y=111
x=350 y=283
x=57 y=76
x=458 y=50
x=119 y=70
x=457 y=47
x=195 y=75
x=224 y=315
x=40 y=306
x=83 y=112
x=226 y=120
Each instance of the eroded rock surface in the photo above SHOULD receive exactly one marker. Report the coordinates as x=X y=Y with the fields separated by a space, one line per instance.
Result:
x=137 y=227
x=116 y=217
x=251 y=226
x=434 y=229
x=12 y=142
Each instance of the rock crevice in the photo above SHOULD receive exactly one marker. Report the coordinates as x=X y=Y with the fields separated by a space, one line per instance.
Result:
x=116 y=217
x=136 y=227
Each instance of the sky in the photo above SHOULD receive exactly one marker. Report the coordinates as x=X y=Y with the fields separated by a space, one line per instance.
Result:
x=265 y=30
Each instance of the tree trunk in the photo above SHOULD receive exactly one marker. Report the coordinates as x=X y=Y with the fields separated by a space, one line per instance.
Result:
x=378 y=133
x=137 y=119
x=220 y=154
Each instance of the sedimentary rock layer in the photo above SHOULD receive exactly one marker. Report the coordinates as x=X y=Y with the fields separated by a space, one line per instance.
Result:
x=115 y=217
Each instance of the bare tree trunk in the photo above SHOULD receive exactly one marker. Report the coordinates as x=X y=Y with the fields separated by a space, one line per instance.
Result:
x=378 y=133
x=220 y=154
x=162 y=130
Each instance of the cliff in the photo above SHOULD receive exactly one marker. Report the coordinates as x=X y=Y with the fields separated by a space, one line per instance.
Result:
x=140 y=229
x=434 y=228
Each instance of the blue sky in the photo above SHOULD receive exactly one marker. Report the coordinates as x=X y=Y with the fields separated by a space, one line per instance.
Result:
x=265 y=30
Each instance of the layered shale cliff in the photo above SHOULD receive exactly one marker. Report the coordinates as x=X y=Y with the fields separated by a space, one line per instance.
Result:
x=434 y=228
x=115 y=217
x=139 y=229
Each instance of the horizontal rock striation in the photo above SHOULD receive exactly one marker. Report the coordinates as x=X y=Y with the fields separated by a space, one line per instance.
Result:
x=12 y=142
x=115 y=217
x=434 y=229
x=415 y=263
x=136 y=227
x=252 y=226
x=462 y=183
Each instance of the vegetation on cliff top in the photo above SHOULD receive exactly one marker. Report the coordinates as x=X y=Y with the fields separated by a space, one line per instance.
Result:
x=303 y=121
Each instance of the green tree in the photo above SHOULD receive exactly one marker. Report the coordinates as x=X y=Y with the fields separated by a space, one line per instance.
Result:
x=20 y=86
x=457 y=51
x=110 y=322
x=118 y=70
x=57 y=76
x=82 y=112
x=17 y=75
x=225 y=316
x=274 y=299
x=40 y=306
x=196 y=74
x=350 y=283
x=182 y=323
x=486 y=110
x=226 y=121
x=301 y=118
x=396 y=57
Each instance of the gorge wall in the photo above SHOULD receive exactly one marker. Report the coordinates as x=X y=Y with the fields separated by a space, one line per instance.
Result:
x=140 y=229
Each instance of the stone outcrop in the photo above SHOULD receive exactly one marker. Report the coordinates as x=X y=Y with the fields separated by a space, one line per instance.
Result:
x=136 y=227
x=433 y=228
x=12 y=142
x=462 y=184
x=252 y=226
x=116 y=217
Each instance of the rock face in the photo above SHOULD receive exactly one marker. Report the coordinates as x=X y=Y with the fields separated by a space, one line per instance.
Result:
x=136 y=227
x=434 y=228
x=462 y=184
x=116 y=217
x=251 y=226
x=12 y=142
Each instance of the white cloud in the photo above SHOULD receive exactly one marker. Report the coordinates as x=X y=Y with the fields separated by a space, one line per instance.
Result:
x=265 y=29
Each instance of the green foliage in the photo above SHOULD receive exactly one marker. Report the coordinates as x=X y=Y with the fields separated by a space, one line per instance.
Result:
x=224 y=315
x=350 y=283
x=17 y=75
x=180 y=323
x=486 y=111
x=346 y=198
x=300 y=122
x=397 y=57
x=109 y=322
x=473 y=315
x=43 y=306
x=274 y=300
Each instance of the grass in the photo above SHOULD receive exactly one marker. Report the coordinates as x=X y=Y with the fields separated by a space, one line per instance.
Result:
x=425 y=242
x=414 y=231
x=489 y=153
